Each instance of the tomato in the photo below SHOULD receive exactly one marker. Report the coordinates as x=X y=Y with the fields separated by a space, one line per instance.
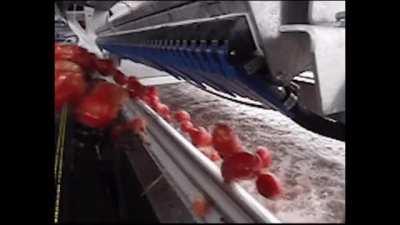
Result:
x=133 y=83
x=193 y=130
x=137 y=87
x=265 y=156
x=141 y=92
x=242 y=165
x=69 y=88
x=137 y=125
x=75 y=54
x=182 y=115
x=225 y=141
x=200 y=137
x=95 y=112
x=148 y=95
x=168 y=118
x=152 y=101
x=268 y=185
x=110 y=92
x=186 y=126
x=152 y=91
x=163 y=110
x=215 y=156
x=119 y=77
x=200 y=206
x=57 y=47
x=104 y=66
x=102 y=105
x=65 y=65
x=132 y=94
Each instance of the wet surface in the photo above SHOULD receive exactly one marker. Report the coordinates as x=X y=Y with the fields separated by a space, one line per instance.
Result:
x=311 y=167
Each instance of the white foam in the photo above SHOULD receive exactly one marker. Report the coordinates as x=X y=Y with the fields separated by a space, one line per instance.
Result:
x=311 y=167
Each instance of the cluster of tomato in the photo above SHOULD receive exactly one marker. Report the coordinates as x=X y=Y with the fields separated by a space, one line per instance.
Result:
x=223 y=144
x=98 y=103
x=238 y=164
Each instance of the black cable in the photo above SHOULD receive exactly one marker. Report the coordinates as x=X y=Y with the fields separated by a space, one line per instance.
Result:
x=318 y=124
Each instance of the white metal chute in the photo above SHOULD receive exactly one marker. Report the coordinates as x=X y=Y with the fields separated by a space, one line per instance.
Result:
x=85 y=40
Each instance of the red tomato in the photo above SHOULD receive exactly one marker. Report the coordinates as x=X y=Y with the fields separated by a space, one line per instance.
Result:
x=225 y=141
x=182 y=115
x=215 y=156
x=200 y=137
x=265 y=156
x=168 y=118
x=139 y=89
x=193 y=130
x=152 y=101
x=69 y=88
x=95 y=112
x=200 y=207
x=65 y=65
x=152 y=91
x=110 y=92
x=75 y=54
x=119 y=77
x=268 y=185
x=137 y=125
x=186 y=126
x=57 y=47
x=242 y=165
x=102 y=105
x=149 y=95
x=141 y=92
x=163 y=110
x=104 y=66
x=133 y=83
x=132 y=94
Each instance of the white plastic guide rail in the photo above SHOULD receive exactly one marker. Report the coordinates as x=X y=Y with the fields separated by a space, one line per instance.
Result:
x=231 y=200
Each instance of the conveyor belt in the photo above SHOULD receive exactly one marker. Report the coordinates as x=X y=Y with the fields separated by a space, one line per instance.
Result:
x=191 y=172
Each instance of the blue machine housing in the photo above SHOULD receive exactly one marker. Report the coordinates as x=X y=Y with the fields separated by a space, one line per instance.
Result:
x=199 y=63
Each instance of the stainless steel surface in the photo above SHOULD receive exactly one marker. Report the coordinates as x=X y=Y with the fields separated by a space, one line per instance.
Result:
x=231 y=200
x=328 y=51
x=174 y=179
x=144 y=8
x=165 y=199
x=323 y=12
x=192 y=11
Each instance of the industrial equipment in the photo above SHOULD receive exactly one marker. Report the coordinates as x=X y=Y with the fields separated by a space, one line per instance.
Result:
x=284 y=55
